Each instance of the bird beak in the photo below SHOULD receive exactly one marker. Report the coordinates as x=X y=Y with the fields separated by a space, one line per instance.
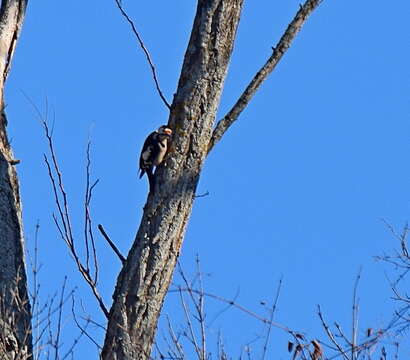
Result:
x=168 y=131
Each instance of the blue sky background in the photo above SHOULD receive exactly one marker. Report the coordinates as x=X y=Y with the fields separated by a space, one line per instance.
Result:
x=298 y=186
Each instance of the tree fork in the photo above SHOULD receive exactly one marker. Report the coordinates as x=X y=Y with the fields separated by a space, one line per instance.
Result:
x=144 y=280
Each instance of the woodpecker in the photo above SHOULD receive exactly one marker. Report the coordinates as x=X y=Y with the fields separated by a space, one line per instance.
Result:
x=153 y=152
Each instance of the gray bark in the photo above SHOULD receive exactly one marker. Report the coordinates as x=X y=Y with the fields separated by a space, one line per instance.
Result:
x=15 y=315
x=144 y=280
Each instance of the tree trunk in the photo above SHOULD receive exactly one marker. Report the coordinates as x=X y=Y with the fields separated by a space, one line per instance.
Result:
x=15 y=314
x=143 y=282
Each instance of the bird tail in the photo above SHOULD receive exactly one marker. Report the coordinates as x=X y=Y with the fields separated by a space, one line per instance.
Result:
x=151 y=179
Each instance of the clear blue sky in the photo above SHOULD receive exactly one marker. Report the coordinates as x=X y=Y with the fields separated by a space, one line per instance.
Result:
x=298 y=186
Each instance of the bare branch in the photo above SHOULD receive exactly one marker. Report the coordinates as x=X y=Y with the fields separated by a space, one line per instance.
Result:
x=221 y=350
x=200 y=309
x=355 y=310
x=34 y=294
x=218 y=314
x=60 y=313
x=202 y=195
x=189 y=322
x=175 y=340
x=284 y=43
x=342 y=334
x=66 y=232
x=88 y=232
x=70 y=351
x=81 y=328
x=52 y=310
x=146 y=52
x=234 y=304
x=330 y=334
x=106 y=237
x=198 y=302
x=275 y=302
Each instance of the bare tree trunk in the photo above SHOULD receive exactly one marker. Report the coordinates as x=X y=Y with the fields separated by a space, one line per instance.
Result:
x=15 y=314
x=144 y=280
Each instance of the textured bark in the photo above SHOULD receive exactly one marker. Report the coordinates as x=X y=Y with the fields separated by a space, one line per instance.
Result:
x=145 y=277
x=15 y=329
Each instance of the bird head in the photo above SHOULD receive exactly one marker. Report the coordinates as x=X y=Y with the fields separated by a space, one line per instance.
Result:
x=164 y=130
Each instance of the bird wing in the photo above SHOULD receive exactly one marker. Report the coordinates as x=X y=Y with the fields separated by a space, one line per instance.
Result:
x=147 y=152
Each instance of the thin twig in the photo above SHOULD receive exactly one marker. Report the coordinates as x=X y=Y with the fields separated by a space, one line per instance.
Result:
x=50 y=333
x=300 y=347
x=83 y=329
x=189 y=322
x=146 y=52
x=63 y=209
x=170 y=351
x=49 y=307
x=200 y=309
x=234 y=304
x=226 y=308
x=359 y=347
x=70 y=351
x=355 y=309
x=35 y=294
x=202 y=195
x=175 y=339
x=284 y=43
x=342 y=334
x=88 y=232
x=107 y=238
x=275 y=302
x=330 y=334
x=60 y=313
x=96 y=324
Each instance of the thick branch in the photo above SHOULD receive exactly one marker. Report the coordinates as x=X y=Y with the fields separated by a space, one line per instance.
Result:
x=112 y=245
x=280 y=49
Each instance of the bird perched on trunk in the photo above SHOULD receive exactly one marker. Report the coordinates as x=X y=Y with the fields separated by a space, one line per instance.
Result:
x=153 y=152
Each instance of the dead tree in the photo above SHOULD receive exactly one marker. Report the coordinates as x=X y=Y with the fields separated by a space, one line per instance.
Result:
x=15 y=316
x=144 y=279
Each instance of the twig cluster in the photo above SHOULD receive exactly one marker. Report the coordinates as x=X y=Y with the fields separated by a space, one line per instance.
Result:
x=88 y=268
x=194 y=313
x=47 y=317
x=401 y=262
x=349 y=347
x=198 y=325
x=13 y=309
x=373 y=344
